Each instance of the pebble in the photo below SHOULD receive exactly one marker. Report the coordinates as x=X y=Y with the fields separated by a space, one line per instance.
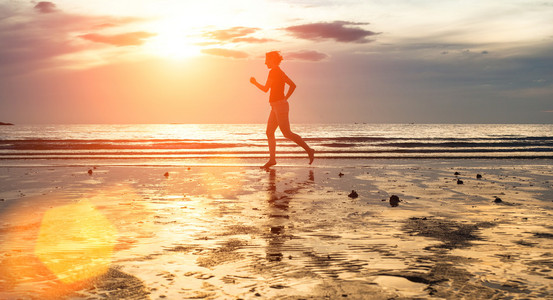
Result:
x=353 y=194
x=394 y=201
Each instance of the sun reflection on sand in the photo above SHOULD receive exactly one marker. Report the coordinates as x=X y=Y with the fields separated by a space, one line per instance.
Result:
x=222 y=182
x=75 y=242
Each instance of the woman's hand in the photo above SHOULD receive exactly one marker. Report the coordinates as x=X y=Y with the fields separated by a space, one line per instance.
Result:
x=264 y=88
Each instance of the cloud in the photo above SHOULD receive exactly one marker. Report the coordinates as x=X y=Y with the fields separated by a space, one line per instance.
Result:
x=237 y=34
x=308 y=55
x=340 y=31
x=252 y=40
x=225 y=53
x=124 y=39
x=225 y=35
x=35 y=41
x=46 y=7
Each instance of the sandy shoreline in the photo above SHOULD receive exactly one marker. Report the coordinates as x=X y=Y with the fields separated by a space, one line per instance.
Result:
x=238 y=232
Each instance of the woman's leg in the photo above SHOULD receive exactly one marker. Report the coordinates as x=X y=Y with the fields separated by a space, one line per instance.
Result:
x=283 y=120
x=272 y=124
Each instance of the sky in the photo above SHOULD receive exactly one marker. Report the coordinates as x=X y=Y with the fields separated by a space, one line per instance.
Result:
x=368 y=61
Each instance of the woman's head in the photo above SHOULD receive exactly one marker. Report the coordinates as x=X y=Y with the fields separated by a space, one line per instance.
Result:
x=273 y=58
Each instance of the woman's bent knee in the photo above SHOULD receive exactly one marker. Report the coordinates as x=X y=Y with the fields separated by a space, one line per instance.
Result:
x=290 y=135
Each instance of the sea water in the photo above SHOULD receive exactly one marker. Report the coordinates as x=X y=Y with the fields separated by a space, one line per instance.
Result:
x=180 y=143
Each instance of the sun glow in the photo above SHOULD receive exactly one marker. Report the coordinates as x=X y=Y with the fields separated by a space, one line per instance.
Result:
x=174 y=39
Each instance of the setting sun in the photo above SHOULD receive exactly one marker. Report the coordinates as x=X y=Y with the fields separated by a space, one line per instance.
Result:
x=172 y=40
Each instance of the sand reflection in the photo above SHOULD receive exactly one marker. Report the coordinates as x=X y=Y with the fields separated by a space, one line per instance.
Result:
x=279 y=218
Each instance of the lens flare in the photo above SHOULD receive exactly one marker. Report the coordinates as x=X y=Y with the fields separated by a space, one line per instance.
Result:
x=75 y=242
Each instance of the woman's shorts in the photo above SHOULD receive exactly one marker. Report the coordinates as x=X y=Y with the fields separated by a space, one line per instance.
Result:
x=280 y=107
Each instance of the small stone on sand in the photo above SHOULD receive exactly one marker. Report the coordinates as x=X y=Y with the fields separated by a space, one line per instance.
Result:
x=341 y=174
x=478 y=176
x=166 y=174
x=456 y=173
x=89 y=172
x=459 y=181
x=394 y=201
x=497 y=200
x=353 y=194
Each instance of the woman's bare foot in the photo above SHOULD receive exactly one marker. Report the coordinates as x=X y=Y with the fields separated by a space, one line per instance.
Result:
x=269 y=164
x=311 y=153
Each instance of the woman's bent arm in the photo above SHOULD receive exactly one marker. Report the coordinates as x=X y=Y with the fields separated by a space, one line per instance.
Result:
x=291 y=88
x=264 y=88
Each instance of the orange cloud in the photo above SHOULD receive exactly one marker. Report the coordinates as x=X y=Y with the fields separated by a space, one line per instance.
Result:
x=225 y=53
x=252 y=40
x=231 y=33
x=237 y=34
x=124 y=39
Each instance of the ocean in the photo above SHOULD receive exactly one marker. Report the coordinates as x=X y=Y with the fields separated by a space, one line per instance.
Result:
x=194 y=143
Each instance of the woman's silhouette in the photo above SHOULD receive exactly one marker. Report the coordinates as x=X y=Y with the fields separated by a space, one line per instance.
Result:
x=279 y=106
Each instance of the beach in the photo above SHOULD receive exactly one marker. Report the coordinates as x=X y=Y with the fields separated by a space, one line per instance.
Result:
x=283 y=150
x=229 y=230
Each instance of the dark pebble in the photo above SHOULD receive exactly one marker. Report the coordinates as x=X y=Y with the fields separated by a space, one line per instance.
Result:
x=89 y=172
x=166 y=174
x=497 y=200
x=353 y=194
x=341 y=174
x=394 y=201
x=478 y=176
x=456 y=173
x=459 y=181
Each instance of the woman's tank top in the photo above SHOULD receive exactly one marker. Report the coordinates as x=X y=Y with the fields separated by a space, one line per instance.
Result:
x=277 y=77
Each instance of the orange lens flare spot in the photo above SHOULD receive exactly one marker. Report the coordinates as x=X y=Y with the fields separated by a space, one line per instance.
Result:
x=75 y=242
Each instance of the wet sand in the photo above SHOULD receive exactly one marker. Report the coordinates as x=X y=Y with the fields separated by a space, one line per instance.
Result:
x=294 y=232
